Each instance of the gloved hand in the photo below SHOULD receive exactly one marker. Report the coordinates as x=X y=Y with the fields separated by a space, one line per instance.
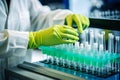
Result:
x=81 y=22
x=57 y=34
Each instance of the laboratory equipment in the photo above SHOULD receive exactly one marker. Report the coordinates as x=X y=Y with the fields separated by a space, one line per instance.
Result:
x=92 y=56
x=90 y=59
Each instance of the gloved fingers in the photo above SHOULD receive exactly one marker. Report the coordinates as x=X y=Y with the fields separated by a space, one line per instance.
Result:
x=68 y=27
x=69 y=36
x=69 y=41
x=82 y=22
x=78 y=20
x=66 y=32
x=69 y=30
x=85 y=22
x=68 y=20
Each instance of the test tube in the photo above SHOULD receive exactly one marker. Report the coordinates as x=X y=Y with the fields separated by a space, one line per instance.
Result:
x=56 y=59
x=84 y=55
x=80 y=64
x=91 y=37
x=62 y=60
x=111 y=43
x=103 y=39
x=94 y=52
x=88 y=49
x=111 y=48
x=117 y=42
x=86 y=35
x=69 y=57
x=77 y=45
x=101 y=57
x=96 y=36
x=76 y=53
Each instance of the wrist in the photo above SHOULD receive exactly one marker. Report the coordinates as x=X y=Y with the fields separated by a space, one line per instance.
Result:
x=32 y=41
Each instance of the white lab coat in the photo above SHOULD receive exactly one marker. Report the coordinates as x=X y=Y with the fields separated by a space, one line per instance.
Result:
x=23 y=16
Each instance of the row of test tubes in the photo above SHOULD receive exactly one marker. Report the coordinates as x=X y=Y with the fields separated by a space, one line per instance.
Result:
x=110 y=14
x=106 y=43
x=94 y=46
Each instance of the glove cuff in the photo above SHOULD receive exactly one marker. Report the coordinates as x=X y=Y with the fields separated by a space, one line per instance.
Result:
x=32 y=43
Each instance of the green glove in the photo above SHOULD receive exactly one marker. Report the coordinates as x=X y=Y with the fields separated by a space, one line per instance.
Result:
x=81 y=22
x=57 y=34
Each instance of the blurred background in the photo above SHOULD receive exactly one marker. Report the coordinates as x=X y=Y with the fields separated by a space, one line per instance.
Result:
x=92 y=8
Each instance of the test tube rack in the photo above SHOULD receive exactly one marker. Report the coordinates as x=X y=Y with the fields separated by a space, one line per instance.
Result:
x=90 y=56
x=92 y=63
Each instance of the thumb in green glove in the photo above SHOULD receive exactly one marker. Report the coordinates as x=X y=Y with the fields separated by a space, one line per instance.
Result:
x=57 y=34
x=81 y=22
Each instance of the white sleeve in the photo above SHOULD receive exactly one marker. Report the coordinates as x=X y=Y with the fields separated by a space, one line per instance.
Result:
x=42 y=16
x=13 y=43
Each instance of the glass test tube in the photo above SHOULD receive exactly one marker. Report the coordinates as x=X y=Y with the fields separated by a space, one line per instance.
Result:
x=117 y=41
x=111 y=43
x=91 y=37
x=76 y=51
x=57 y=54
x=80 y=64
x=99 y=49
x=110 y=49
x=88 y=49
x=94 y=52
x=101 y=57
x=117 y=45
x=85 y=54
x=62 y=60
x=96 y=37
x=86 y=36
x=69 y=56
x=103 y=39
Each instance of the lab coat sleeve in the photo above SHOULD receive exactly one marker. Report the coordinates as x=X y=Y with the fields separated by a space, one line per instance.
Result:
x=13 y=42
x=42 y=16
